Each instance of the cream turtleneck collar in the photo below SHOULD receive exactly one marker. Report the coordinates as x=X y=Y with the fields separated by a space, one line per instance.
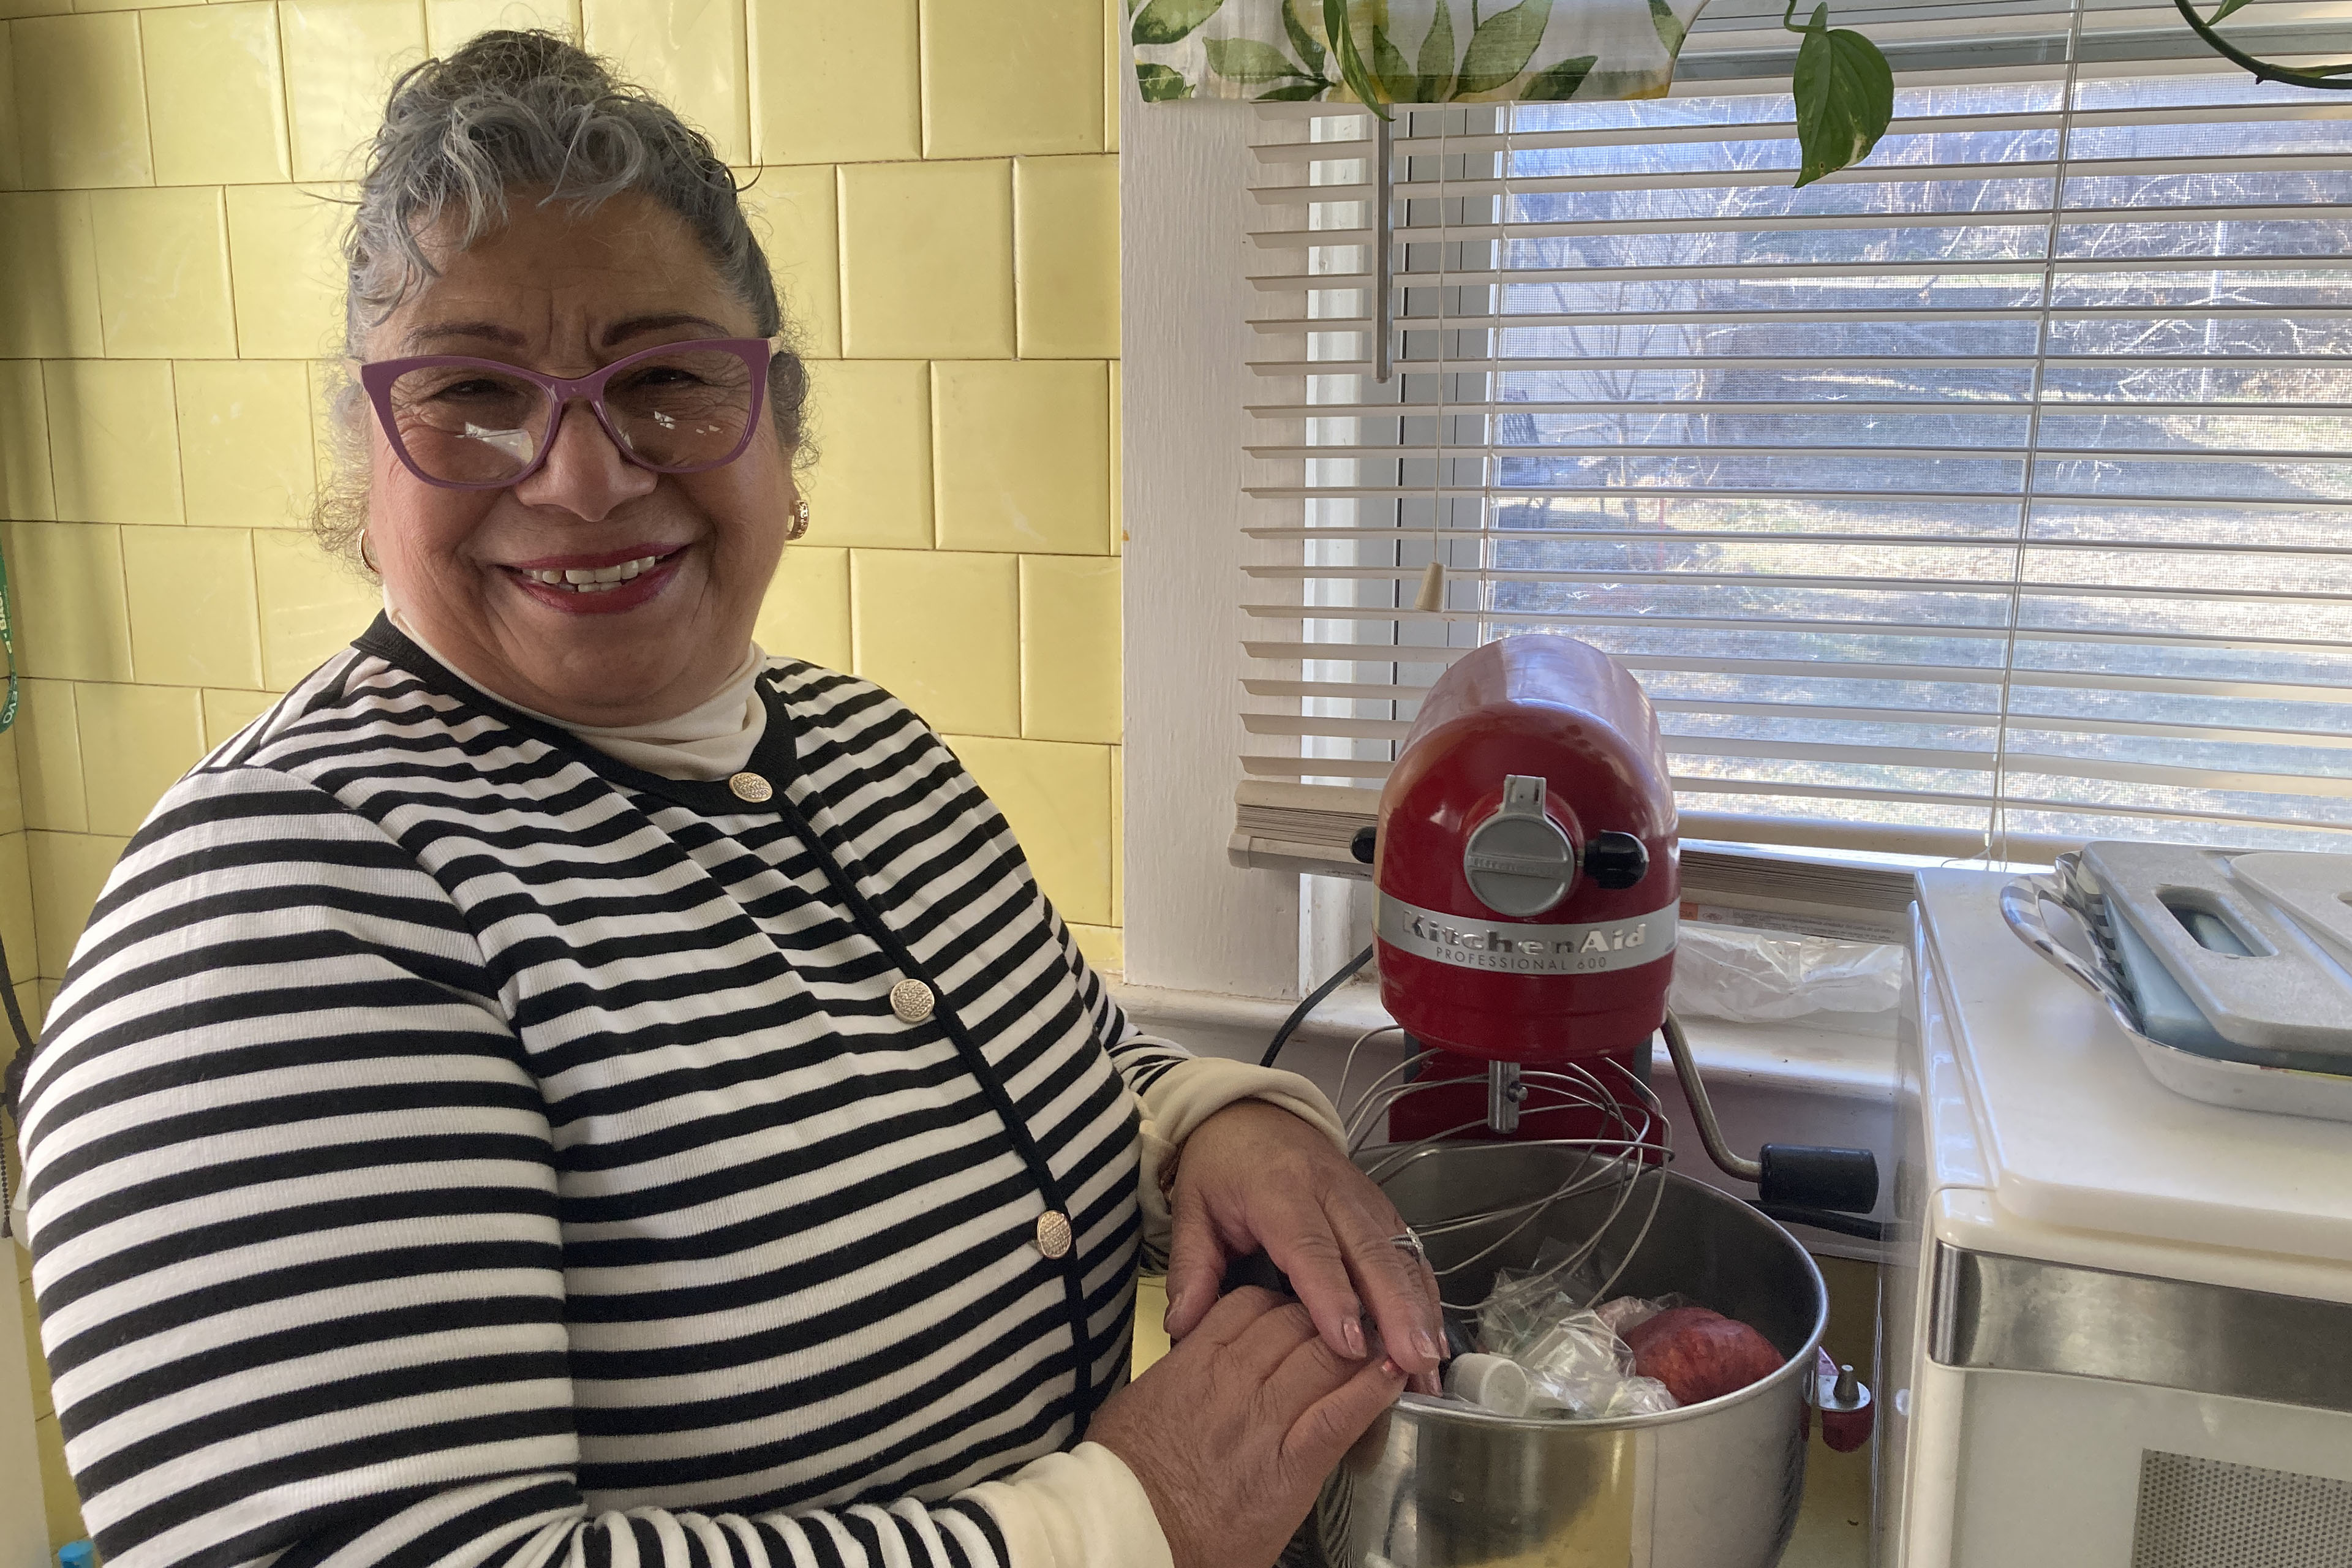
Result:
x=711 y=740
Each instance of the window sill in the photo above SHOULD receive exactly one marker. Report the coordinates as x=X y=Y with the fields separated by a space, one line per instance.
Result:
x=1827 y=1081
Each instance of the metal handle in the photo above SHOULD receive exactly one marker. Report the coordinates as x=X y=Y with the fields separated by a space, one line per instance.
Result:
x=1710 y=1132
x=1789 y=1176
x=2021 y=906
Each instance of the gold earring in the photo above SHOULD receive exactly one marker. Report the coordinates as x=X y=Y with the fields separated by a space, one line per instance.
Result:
x=367 y=556
x=800 y=523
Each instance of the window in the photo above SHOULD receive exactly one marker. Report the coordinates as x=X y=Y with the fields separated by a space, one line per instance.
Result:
x=1982 y=499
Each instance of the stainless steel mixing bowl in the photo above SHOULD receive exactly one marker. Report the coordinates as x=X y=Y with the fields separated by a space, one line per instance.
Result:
x=1715 y=1485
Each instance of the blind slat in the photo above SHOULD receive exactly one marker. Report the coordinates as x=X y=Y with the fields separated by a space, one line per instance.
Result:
x=1564 y=619
x=1955 y=535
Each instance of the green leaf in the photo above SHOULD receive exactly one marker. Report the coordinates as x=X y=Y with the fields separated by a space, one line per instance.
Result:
x=1247 y=61
x=1397 y=83
x=2227 y=6
x=1162 y=84
x=1846 y=95
x=1558 y=83
x=1351 y=63
x=1670 y=28
x=1165 y=21
x=1500 y=48
x=1301 y=39
x=1433 y=67
x=1296 y=92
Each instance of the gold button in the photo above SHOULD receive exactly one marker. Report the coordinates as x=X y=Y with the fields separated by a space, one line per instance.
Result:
x=1053 y=1234
x=751 y=787
x=912 y=1001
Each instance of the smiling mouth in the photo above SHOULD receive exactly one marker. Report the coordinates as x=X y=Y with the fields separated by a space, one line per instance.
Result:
x=595 y=580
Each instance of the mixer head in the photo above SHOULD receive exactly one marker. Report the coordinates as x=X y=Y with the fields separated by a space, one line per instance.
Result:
x=1526 y=864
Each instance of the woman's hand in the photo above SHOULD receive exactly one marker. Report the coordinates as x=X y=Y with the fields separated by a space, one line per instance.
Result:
x=1232 y=1432
x=1254 y=1176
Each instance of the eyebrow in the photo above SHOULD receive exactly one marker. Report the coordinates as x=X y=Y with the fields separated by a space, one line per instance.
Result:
x=638 y=326
x=618 y=333
x=434 y=332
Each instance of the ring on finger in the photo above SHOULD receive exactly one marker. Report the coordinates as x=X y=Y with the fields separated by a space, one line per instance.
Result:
x=1410 y=1242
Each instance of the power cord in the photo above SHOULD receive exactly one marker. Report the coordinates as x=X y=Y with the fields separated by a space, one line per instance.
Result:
x=1313 y=1000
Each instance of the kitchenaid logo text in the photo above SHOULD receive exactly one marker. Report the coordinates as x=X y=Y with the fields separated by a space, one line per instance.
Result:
x=1593 y=949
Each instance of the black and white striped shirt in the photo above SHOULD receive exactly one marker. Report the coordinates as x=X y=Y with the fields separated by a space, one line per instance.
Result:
x=454 y=1146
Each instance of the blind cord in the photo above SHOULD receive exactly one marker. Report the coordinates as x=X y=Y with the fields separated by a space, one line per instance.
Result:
x=1430 y=599
x=1997 y=827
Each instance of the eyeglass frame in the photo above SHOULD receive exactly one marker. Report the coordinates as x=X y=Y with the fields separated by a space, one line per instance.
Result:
x=377 y=377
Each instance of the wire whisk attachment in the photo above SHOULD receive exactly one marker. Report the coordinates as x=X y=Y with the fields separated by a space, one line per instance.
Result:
x=1626 y=1156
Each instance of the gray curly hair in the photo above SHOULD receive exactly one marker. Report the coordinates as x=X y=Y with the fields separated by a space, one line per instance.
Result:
x=528 y=110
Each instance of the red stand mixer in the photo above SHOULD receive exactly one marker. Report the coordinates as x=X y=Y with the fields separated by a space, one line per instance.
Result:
x=1529 y=891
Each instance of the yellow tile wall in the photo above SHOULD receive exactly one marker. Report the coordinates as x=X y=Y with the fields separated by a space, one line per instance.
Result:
x=937 y=183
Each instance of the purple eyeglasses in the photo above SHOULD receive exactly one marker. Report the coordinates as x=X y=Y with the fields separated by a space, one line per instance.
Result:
x=477 y=424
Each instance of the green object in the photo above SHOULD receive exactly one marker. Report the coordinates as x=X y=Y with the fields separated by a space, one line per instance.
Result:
x=1383 y=52
x=1846 y=95
x=8 y=647
x=1279 y=51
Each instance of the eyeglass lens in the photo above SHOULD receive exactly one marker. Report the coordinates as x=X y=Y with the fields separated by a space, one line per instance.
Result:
x=476 y=424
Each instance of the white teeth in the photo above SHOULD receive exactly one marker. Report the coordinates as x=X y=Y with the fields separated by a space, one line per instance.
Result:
x=595 y=580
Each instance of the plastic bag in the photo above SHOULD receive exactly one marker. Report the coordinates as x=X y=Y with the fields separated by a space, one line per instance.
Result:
x=1627 y=1312
x=1754 y=976
x=1575 y=1361
x=1580 y=1367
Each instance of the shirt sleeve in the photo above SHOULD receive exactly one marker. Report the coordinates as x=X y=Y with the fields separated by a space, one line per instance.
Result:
x=296 y=1251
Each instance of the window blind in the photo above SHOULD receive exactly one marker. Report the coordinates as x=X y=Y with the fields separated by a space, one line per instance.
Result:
x=1984 y=498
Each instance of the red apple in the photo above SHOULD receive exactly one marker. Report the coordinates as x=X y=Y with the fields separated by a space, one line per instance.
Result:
x=1699 y=1354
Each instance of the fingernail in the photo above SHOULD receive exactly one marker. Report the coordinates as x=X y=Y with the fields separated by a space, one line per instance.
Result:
x=1352 y=1333
x=1175 y=1305
x=1426 y=1345
x=1390 y=1369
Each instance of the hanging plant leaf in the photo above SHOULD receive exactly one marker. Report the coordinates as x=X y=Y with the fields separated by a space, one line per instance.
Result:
x=1397 y=82
x=1557 y=84
x=1247 y=61
x=1671 y=31
x=1351 y=63
x=1162 y=84
x=1501 y=47
x=1846 y=95
x=1301 y=39
x=1433 y=67
x=2227 y=6
x=1166 y=21
x=1296 y=92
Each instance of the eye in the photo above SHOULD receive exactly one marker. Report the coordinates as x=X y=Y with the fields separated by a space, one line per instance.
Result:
x=662 y=377
x=475 y=387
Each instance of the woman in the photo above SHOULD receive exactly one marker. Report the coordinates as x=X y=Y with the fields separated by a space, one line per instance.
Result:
x=566 y=1087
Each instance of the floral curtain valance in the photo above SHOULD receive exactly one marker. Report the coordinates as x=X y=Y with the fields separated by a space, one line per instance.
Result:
x=1407 y=51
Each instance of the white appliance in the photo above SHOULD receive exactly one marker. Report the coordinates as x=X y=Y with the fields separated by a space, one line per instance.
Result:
x=2115 y=1328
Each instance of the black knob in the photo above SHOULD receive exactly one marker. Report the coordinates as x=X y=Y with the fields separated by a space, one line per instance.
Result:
x=1365 y=841
x=1809 y=1176
x=1616 y=859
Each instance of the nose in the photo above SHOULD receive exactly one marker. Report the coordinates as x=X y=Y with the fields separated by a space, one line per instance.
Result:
x=585 y=473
